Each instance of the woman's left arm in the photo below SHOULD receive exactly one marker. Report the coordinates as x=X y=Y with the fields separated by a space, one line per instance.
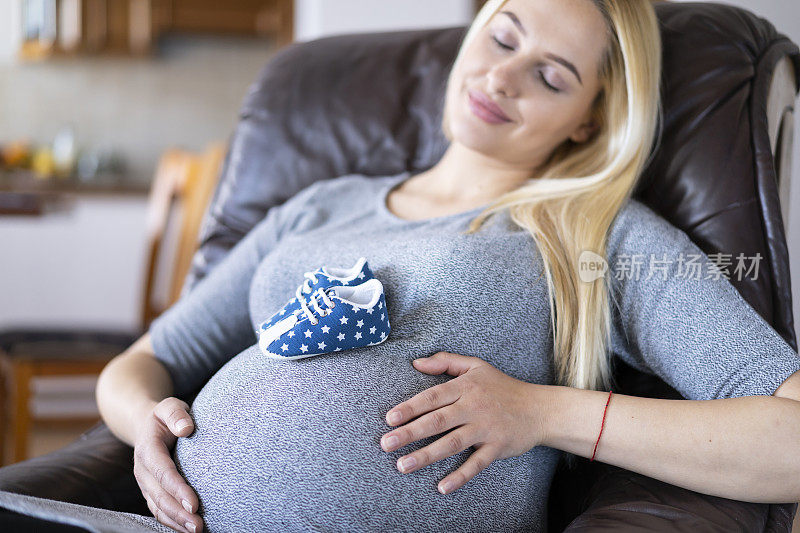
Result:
x=745 y=448
x=737 y=435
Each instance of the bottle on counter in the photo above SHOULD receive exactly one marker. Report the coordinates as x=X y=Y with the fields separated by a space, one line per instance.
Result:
x=65 y=153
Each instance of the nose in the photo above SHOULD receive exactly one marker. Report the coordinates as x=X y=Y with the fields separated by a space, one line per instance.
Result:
x=503 y=78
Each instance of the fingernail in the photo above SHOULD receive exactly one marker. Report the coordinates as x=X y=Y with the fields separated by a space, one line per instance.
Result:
x=407 y=464
x=445 y=487
x=394 y=418
x=391 y=442
x=186 y=506
x=190 y=527
x=181 y=424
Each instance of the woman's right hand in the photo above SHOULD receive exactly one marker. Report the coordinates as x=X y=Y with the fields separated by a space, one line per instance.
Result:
x=168 y=495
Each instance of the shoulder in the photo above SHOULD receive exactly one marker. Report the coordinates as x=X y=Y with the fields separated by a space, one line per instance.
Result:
x=639 y=229
x=342 y=188
x=320 y=188
x=333 y=200
x=353 y=184
x=636 y=215
x=345 y=189
x=646 y=254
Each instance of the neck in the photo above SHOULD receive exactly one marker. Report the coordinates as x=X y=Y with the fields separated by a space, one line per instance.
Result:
x=463 y=176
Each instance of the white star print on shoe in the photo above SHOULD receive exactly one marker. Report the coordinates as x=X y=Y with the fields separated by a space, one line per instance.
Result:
x=324 y=325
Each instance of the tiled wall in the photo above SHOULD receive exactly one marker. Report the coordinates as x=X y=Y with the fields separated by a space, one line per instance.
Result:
x=317 y=18
x=188 y=95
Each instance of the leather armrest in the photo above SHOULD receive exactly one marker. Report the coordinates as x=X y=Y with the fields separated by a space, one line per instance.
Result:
x=622 y=500
x=95 y=470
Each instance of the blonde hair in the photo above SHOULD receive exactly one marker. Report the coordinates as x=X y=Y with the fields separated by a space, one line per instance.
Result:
x=581 y=188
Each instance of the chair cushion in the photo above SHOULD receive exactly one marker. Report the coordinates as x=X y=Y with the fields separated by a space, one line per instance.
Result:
x=94 y=470
x=626 y=501
x=67 y=345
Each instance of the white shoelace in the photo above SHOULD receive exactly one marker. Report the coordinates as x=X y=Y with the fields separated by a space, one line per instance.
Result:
x=313 y=299
x=305 y=287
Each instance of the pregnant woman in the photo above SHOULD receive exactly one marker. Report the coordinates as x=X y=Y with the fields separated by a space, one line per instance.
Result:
x=499 y=348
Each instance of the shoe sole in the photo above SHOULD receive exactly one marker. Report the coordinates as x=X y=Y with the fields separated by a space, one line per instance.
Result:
x=271 y=355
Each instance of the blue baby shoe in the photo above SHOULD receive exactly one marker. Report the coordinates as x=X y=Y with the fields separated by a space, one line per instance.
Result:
x=333 y=319
x=321 y=278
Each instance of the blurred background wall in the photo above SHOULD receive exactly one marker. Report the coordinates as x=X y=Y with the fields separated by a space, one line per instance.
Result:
x=317 y=18
x=187 y=95
x=83 y=265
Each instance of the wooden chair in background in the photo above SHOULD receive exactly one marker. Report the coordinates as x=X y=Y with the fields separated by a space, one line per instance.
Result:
x=189 y=180
x=184 y=182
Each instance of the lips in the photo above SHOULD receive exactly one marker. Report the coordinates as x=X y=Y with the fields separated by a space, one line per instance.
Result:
x=485 y=108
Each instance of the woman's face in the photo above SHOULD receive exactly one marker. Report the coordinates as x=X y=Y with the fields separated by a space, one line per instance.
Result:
x=537 y=61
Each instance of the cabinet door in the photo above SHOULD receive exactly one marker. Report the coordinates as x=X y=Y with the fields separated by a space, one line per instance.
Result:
x=243 y=17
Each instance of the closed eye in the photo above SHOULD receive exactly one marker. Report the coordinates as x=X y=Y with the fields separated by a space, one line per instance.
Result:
x=550 y=87
x=502 y=44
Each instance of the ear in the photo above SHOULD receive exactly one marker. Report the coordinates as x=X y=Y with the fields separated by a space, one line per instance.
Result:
x=584 y=132
x=591 y=122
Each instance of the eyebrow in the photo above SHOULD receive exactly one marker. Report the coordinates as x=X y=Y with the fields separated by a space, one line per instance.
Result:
x=554 y=57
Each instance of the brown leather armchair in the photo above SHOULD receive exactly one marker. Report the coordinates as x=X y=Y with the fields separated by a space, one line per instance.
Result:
x=370 y=103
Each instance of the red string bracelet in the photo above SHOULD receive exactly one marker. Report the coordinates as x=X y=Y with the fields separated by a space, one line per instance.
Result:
x=602 y=424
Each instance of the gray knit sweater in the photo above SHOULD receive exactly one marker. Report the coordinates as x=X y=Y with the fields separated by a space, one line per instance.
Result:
x=294 y=445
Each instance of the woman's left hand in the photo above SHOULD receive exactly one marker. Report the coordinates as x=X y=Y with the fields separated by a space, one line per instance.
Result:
x=499 y=415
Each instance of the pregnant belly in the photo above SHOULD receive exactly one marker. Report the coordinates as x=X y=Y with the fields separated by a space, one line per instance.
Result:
x=295 y=446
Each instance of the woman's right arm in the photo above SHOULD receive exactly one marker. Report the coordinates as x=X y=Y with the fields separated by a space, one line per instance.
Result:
x=129 y=388
x=134 y=395
x=138 y=393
